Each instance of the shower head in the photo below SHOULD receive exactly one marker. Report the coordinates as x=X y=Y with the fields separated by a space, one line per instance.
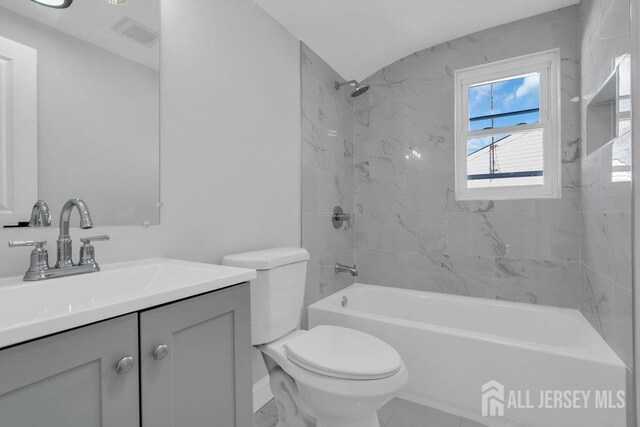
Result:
x=357 y=89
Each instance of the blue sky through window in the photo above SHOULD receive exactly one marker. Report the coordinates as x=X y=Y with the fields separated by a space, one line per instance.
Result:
x=518 y=94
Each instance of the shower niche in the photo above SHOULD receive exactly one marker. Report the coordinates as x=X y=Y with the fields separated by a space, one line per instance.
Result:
x=608 y=112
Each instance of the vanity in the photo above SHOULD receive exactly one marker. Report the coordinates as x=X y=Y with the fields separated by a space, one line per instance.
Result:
x=157 y=342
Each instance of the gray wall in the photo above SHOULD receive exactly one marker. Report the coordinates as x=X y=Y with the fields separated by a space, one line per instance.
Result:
x=230 y=141
x=410 y=230
x=327 y=175
x=606 y=266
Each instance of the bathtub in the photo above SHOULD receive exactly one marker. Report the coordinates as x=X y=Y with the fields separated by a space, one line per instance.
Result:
x=453 y=346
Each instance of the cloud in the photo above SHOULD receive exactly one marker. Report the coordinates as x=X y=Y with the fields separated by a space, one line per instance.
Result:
x=477 y=143
x=530 y=84
x=480 y=92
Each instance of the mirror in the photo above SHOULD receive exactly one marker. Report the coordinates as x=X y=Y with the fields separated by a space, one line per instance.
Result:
x=93 y=110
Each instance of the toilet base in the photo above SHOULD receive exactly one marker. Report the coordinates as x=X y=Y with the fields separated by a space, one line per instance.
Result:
x=284 y=389
x=291 y=414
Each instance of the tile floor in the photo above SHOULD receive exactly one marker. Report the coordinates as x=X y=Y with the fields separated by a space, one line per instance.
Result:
x=397 y=413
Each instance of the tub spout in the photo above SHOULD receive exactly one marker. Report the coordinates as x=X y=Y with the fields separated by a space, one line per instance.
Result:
x=340 y=268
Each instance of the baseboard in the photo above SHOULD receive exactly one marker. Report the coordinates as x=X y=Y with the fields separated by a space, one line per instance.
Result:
x=261 y=393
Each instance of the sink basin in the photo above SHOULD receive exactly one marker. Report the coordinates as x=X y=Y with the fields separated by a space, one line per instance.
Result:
x=30 y=310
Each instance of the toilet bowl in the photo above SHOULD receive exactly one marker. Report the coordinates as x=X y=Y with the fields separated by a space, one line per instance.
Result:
x=341 y=376
x=328 y=376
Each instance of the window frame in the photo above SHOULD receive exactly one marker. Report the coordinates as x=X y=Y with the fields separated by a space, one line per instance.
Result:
x=547 y=64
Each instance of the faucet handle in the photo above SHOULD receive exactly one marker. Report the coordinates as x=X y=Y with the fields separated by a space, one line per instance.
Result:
x=39 y=265
x=88 y=240
x=88 y=253
x=22 y=243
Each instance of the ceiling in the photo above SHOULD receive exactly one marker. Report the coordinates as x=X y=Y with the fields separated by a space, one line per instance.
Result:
x=93 y=21
x=359 y=37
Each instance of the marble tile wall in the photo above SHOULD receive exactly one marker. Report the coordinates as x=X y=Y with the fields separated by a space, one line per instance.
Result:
x=327 y=175
x=606 y=264
x=409 y=229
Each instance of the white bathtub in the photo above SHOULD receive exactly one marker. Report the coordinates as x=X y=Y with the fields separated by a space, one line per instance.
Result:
x=453 y=345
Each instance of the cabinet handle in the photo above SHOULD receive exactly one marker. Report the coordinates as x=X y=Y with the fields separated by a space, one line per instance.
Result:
x=125 y=364
x=160 y=352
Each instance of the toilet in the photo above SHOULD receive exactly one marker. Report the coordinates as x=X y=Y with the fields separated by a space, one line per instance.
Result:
x=328 y=376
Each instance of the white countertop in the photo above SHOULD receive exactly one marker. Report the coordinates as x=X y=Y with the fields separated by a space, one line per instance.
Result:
x=30 y=310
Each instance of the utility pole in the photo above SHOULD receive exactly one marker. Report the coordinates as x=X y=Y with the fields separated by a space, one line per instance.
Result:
x=493 y=158
x=492 y=148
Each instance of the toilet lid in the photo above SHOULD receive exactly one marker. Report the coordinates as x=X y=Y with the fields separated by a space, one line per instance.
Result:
x=343 y=353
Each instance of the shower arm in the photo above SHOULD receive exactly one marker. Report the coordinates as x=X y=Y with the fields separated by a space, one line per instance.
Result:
x=338 y=85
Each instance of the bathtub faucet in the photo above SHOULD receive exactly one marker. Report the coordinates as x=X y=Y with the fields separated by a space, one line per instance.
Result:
x=346 y=269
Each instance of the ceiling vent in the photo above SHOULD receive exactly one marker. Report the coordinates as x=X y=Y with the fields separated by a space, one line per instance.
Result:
x=137 y=32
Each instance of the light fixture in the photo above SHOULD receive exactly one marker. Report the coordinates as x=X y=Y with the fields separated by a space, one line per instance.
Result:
x=117 y=2
x=413 y=153
x=56 y=4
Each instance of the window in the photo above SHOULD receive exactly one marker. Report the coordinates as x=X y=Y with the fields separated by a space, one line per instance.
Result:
x=508 y=129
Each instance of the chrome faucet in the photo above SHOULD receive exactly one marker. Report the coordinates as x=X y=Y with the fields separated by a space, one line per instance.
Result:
x=40 y=215
x=64 y=240
x=39 y=268
x=340 y=268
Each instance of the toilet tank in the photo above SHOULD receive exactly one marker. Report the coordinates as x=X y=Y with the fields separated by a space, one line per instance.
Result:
x=277 y=294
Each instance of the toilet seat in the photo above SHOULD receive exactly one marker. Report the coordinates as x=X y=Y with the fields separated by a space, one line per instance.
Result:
x=344 y=353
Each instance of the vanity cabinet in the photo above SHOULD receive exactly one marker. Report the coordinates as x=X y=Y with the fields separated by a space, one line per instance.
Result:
x=203 y=378
x=70 y=380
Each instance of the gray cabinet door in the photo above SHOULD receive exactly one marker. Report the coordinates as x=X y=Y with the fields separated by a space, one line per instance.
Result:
x=69 y=379
x=205 y=379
